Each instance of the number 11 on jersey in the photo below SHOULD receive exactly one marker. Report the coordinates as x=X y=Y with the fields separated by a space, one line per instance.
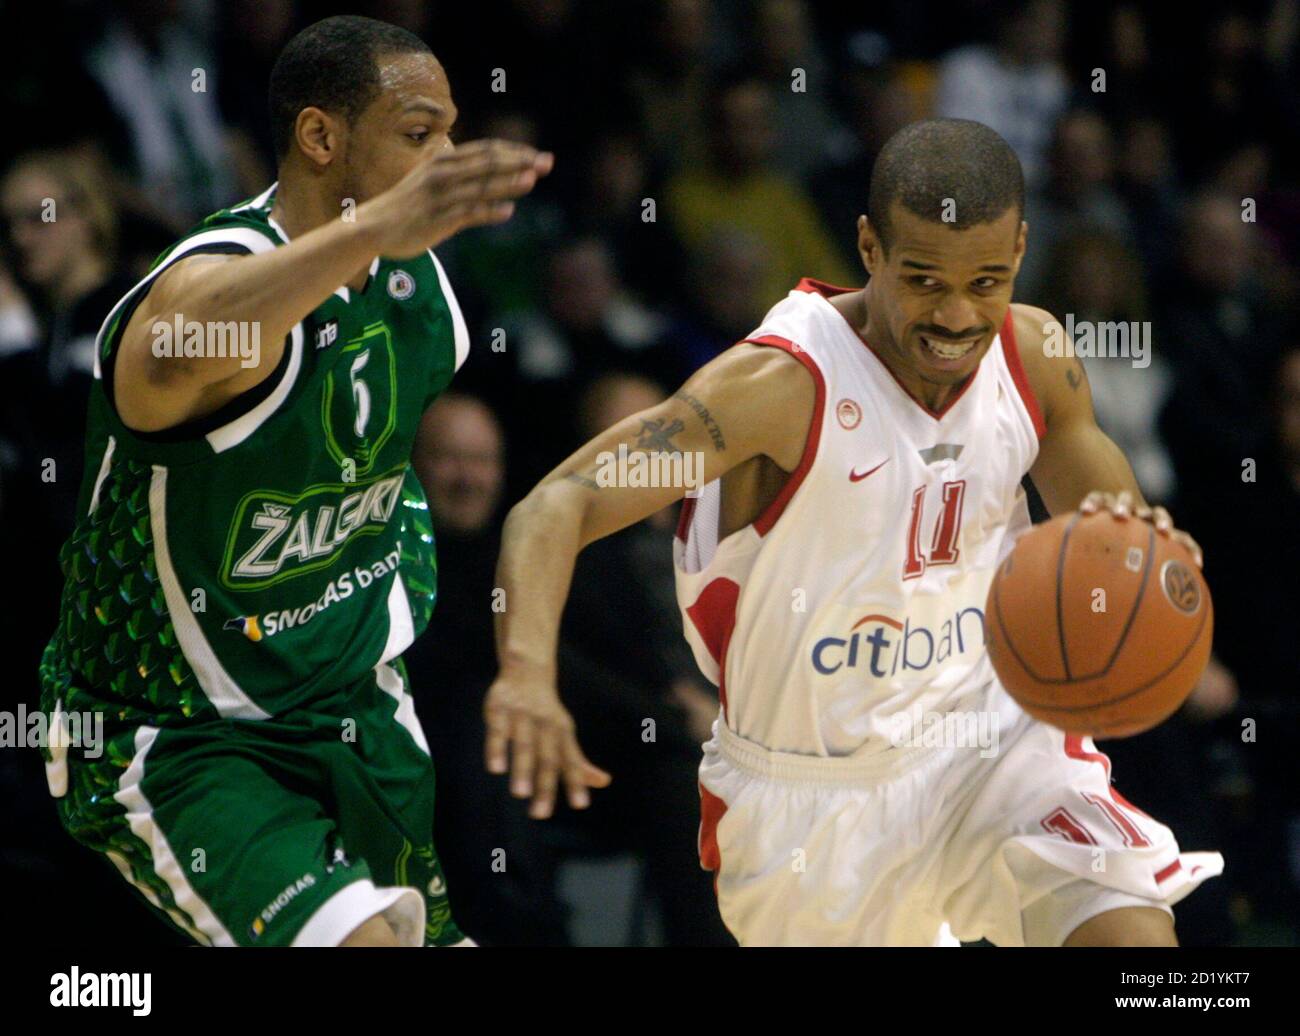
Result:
x=943 y=544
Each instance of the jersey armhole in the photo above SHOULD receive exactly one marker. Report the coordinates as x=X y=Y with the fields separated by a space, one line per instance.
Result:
x=199 y=427
x=1011 y=353
x=764 y=522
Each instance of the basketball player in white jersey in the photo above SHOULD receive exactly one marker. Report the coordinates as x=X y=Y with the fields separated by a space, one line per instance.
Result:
x=863 y=453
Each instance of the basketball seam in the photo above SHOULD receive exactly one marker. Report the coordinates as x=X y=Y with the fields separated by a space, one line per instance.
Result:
x=1137 y=690
x=1006 y=635
x=1137 y=603
x=1128 y=625
x=1060 y=579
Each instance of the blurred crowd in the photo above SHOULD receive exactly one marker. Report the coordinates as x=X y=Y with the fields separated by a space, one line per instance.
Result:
x=709 y=154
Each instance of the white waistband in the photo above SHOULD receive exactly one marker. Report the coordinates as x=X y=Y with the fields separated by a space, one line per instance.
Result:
x=879 y=768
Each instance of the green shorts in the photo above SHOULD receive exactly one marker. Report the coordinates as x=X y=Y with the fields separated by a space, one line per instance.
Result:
x=289 y=831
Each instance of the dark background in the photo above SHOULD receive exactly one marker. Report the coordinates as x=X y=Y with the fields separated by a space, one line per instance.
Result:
x=1135 y=211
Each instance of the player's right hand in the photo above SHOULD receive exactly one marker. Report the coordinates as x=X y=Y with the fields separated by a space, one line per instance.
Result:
x=530 y=734
x=471 y=185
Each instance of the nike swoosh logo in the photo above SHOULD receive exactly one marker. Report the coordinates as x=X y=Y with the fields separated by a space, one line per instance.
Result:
x=855 y=477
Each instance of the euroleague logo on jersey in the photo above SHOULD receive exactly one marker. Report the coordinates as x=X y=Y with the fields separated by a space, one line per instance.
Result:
x=883 y=646
x=848 y=413
x=401 y=285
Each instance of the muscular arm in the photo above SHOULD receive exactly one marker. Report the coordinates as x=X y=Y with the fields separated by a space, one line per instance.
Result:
x=473 y=185
x=272 y=290
x=1075 y=457
x=1078 y=465
x=750 y=401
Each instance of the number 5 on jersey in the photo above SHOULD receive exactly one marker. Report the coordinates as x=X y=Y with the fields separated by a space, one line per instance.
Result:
x=943 y=544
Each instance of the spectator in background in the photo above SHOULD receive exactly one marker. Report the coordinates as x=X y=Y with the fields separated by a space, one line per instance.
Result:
x=1131 y=83
x=611 y=205
x=588 y=324
x=1260 y=539
x=739 y=188
x=146 y=63
x=1149 y=189
x=721 y=303
x=501 y=879
x=1250 y=173
x=59 y=237
x=879 y=104
x=1015 y=85
x=670 y=84
x=250 y=35
x=60 y=232
x=1236 y=96
x=784 y=41
x=499 y=264
x=1227 y=338
x=1079 y=195
x=1093 y=277
x=622 y=662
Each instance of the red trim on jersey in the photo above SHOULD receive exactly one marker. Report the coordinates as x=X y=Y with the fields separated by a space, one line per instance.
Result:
x=711 y=810
x=684 y=518
x=1011 y=352
x=764 y=522
x=1074 y=749
x=1169 y=871
x=714 y=616
x=816 y=287
x=1129 y=831
x=1114 y=794
x=825 y=290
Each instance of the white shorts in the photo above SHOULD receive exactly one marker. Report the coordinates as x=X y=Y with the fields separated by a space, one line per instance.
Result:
x=1019 y=848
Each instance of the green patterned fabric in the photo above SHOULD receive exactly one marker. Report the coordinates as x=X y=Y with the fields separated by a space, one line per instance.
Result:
x=258 y=560
x=213 y=821
x=232 y=590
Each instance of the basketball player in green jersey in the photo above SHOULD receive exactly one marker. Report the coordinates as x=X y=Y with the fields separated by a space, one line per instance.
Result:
x=253 y=552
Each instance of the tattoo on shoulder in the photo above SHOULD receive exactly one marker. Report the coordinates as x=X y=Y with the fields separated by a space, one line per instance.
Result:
x=1074 y=375
x=702 y=412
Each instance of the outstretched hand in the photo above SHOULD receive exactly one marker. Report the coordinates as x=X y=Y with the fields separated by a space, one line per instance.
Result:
x=530 y=734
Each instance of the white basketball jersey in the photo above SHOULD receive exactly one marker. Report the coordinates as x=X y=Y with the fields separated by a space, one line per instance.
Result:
x=858 y=594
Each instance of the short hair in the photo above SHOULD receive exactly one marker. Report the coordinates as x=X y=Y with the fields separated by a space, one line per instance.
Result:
x=927 y=163
x=332 y=65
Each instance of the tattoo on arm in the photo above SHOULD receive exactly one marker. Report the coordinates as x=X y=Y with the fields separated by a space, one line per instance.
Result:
x=702 y=412
x=581 y=480
x=1074 y=375
x=656 y=435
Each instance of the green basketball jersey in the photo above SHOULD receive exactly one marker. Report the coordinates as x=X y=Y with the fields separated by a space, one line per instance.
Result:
x=245 y=564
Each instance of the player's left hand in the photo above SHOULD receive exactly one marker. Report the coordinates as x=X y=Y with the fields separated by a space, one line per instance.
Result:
x=1121 y=505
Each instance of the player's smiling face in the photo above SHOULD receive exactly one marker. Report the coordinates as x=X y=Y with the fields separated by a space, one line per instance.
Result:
x=943 y=292
x=411 y=120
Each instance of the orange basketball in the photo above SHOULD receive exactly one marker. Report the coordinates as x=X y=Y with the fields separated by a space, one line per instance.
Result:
x=1099 y=626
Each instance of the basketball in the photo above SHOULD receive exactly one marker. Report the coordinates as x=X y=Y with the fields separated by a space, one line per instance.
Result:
x=1099 y=626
